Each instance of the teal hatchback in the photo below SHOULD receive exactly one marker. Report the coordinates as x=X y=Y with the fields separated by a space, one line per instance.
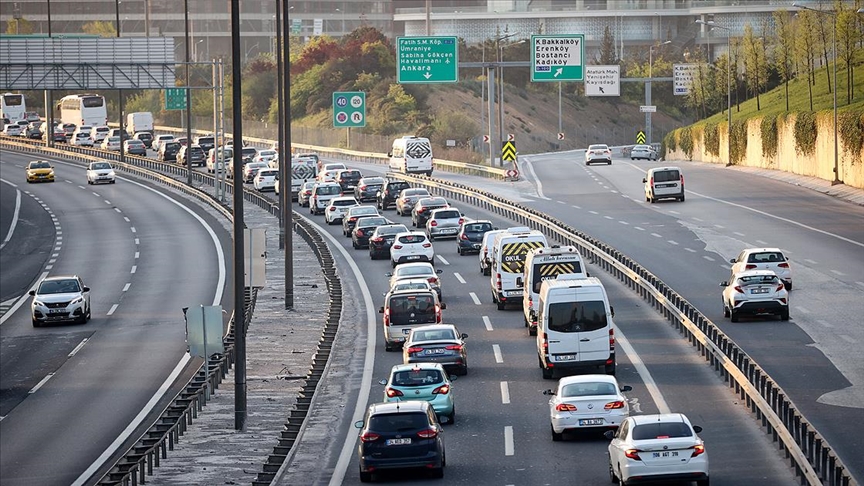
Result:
x=422 y=381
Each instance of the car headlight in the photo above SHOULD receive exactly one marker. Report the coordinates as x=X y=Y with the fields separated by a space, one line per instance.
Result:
x=40 y=304
x=111 y=173
x=78 y=300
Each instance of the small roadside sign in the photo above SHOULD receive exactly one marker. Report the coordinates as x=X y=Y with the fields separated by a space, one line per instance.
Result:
x=511 y=137
x=560 y=135
x=557 y=57
x=648 y=109
x=349 y=109
x=485 y=138
x=640 y=137
x=603 y=80
x=508 y=151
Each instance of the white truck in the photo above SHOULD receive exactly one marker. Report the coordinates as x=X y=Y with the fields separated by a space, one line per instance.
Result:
x=509 y=250
x=141 y=121
x=546 y=264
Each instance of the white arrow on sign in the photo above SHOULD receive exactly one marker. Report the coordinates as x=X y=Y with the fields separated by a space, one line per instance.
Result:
x=558 y=72
x=427 y=75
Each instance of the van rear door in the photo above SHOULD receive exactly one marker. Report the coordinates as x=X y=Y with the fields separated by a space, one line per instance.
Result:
x=592 y=325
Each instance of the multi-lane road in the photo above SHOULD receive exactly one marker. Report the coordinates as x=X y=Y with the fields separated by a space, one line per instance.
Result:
x=68 y=392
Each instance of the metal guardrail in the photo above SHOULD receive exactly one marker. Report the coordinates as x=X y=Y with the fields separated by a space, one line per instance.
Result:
x=812 y=458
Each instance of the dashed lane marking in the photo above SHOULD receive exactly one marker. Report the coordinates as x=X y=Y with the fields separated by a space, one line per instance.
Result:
x=112 y=309
x=459 y=277
x=508 y=441
x=445 y=262
x=40 y=384
x=487 y=323
x=838 y=273
x=672 y=242
x=474 y=298
x=656 y=235
x=499 y=358
x=691 y=250
x=825 y=323
x=505 y=393
x=708 y=258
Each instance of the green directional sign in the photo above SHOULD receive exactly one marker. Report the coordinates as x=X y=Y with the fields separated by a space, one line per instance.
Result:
x=427 y=59
x=175 y=99
x=557 y=57
x=349 y=109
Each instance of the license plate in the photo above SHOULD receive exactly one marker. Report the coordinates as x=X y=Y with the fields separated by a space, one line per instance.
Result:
x=664 y=454
x=596 y=421
x=435 y=351
x=759 y=291
x=567 y=357
x=56 y=311
x=449 y=230
x=476 y=247
x=403 y=441
x=413 y=257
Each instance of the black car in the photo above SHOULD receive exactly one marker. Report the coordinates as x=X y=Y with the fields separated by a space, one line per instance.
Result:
x=193 y=153
x=353 y=214
x=247 y=154
x=206 y=143
x=470 y=236
x=364 y=228
x=423 y=208
x=382 y=238
x=348 y=179
x=145 y=137
x=367 y=189
x=168 y=151
x=397 y=435
x=390 y=192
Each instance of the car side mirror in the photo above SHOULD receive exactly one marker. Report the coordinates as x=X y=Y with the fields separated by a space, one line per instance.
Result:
x=388 y=274
x=519 y=281
x=548 y=392
x=495 y=228
x=644 y=180
x=381 y=310
x=609 y=434
x=724 y=284
x=32 y=292
x=382 y=382
x=626 y=388
x=464 y=335
x=439 y=271
x=358 y=424
x=731 y=260
x=587 y=274
x=452 y=378
x=389 y=154
x=86 y=289
x=697 y=429
x=443 y=306
x=611 y=311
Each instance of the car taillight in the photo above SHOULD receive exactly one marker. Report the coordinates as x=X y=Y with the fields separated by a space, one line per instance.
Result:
x=427 y=245
x=611 y=338
x=359 y=232
x=783 y=265
x=387 y=317
x=614 y=405
x=651 y=182
x=352 y=219
x=779 y=287
x=369 y=437
x=432 y=280
x=433 y=223
x=397 y=247
x=377 y=239
x=750 y=267
x=392 y=392
x=698 y=449
x=427 y=434
x=332 y=208
x=454 y=347
x=461 y=220
x=739 y=289
x=463 y=237
x=682 y=180
x=362 y=188
x=565 y=407
x=441 y=390
x=633 y=454
x=498 y=281
x=414 y=349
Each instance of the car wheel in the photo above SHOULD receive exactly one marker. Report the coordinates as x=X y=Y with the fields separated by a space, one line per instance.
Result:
x=387 y=346
x=784 y=315
x=36 y=323
x=547 y=372
x=681 y=198
x=88 y=313
x=725 y=310
x=365 y=477
x=631 y=158
x=393 y=263
x=733 y=315
x=431 y=237
x=612 y=478
x=702 y=482
x=609 y=163
x=464 y=371
x=652 y=200
x=354 y=244
x=556 y=437
x=788 y=286
x=532 y=331
x=500 y=305
x=451 y=419
x=609 y=369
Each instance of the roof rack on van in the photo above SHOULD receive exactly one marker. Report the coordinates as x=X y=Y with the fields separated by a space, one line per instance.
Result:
x=519 y=229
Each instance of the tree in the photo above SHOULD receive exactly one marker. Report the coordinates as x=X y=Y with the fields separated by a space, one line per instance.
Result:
x=19 y=26
x=755 y=65
x=823 y=43
x=454 y=126
x=848 y=35
x=784 y=48
x=100 y=28
x=607 y=55
x=805 y=47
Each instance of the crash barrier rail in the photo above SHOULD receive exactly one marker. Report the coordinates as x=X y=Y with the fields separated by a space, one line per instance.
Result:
x=812 y=458
x=140 y=459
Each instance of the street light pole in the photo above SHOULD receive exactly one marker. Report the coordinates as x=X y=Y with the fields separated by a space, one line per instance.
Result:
x=496 y=145
x=648 y=88
x=833 y=14
x=728 y=87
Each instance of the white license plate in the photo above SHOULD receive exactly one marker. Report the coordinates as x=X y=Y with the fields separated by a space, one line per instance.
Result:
x=595 y=421
x=476 y=247
x=412 y=257
x=567 y=357
x=434 y=351
x=759 y=291
x=403 y=441
x=664 y=454
x=56 y=311
x=449 y=230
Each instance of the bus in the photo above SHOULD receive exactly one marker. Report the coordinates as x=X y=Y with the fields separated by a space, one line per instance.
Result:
x=83 y=109
x=12 y=107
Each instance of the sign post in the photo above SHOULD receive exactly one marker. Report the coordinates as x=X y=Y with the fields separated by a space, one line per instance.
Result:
x=427 y=59
x=557 y=57
x=349 y=109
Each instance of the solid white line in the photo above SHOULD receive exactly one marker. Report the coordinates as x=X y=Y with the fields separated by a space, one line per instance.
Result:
x=505 y=393
x=82 y=479
x=459 y=277
x=708 y=258
x=811 y=262
x=527 y=164
x=78 y=348
x=134 y=268
x=508 y=440
x=487 y=323
x=838 y=273
x=474 y=298
x=15 y=213
x=445 y=262
x=650 y=384
x=825 y=323
x=126 y=287
x=112 y=309
x=848 y=339
x=499 y=358
x=41 y=382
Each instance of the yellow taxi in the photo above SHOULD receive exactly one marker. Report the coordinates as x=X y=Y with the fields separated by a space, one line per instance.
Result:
x=40 y=171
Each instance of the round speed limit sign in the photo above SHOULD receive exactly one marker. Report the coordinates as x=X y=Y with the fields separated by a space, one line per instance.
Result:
x=356 y=102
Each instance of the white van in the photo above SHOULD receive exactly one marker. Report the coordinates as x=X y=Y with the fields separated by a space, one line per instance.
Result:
x=664 y=183
x=546 y=264
x=509 y=251
x=574 y=322
x=141 y=121
x=411 y=155
x=486 y=251
x=302 y=170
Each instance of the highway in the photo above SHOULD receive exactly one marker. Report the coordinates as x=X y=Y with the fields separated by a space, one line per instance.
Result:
x=68 y=392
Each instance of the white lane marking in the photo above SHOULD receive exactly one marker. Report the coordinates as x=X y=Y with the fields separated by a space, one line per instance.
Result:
x=499 y=358
x=15 y=213
x=505 y=393
x=57 y=248
x=593 y=212
x=860 y=283
x=825 y=323
x=134 y=268
x=560 y=202
x=134 y=230
x=639 y=228
x=697 y=219
x=763 y=243
x=787 y=220
x=624 y=222
x=55 y=255
x=608 y=217
x=508 y=440
x=53 y=260
x=126 y=218
x=112 y=309
x=838 y=273
x=85 y=476
x=136 y=241
x=487 y=323
x=673 y=212
x=803 y=309
x=41 y=382
x=575 y=207
x=536 y=179
x=719 y=226
x=49 y=267
x=445 y=262
x=656 y=235
x=738 y=234
x=137 y=254
x=59 y=238
x=118 y=210
x=672 y=242
x=650 y=384
x=96 y=194
x=126 y=287
x=691 y=250
x=708 y=258
x=811 y=262
x=59 y=233
x=613 y=191
x=459 y=277
x=474 y=298
x=107 y=202
x=78 y=348
x=848 y=339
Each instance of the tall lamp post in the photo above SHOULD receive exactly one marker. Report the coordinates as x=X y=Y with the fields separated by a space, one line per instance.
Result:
x=496 y=145
x=728 y=86
x=648 y=87
x=833 y=14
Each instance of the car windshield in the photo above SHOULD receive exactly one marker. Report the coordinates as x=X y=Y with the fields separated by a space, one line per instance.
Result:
x=409 y=239
x=113 y=139
x=587 y=389
x=267 y=153
x=249 y=151
x=398 y=422
x=759 y=280
x=577 y=316
x=478 y=227
x=392 y=230
x=40 y=165
x=412 y=309
x=433 y=201
x=58 y=287
x=343 y=202
x=268 y=173
x=172 y=145
x=350 y=174
x=598 y=147
x=415 y=192
x=417 y=377
x=100 y=165
x=449 y=214
x=661 y=430
x=373 y=181
x=433 y=335
x=666 y=176
x=411 y=285
x=328 y=190
x=362 y=211
x=766 y=257
x=402 y=271
x=367 y=222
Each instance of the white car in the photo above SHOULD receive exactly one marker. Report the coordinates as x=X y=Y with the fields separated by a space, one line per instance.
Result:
x=81 y=139
x=764 y=259
x=322 y=193
x=417 y=270
x=598 y=153
x=99 y=172
x=160 y=139
x=411 y=246
x=251 y=169
x=663 y=446
x=60 y=299
x=755 y=293
x=646 y=152
x=265 y=179
x=111 y=143
x=267 y=156
x=12 y=130
x=99 y=133
x=586 y=402
x=337 y=208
